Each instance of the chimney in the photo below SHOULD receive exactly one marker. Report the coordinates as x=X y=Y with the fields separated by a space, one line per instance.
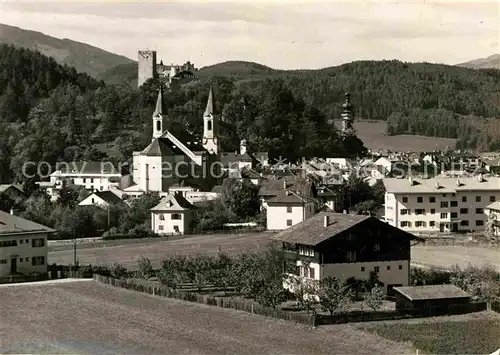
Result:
x=480 y=177
x=437 y=185
x=410 y=179
x=458 y=182
x=326 y=221
x=284 y=183
x=12 y=211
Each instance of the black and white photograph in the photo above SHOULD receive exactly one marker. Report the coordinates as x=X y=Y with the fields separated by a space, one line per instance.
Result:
x=250 y=177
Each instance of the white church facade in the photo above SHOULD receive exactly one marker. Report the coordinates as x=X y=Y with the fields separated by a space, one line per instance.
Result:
x=168 y=162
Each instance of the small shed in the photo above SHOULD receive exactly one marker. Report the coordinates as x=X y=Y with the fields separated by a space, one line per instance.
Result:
x=430 y=296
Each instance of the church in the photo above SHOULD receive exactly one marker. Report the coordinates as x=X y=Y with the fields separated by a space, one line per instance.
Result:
x=168 y=162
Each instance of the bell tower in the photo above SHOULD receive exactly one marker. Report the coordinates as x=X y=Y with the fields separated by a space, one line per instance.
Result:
x=347 y=117
x=210 y=126
x=158 y=120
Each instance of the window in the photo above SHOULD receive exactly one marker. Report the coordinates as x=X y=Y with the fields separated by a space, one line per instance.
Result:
x=38 y=260
x=479 y=223
x=92 y=187
x=84 y=180
x=444 y=204
x=209 y=125
x=444 y=195
x=419 y=224
x=453 y=194
x=376 y=247
x=464 y=210
x=176 y=216
x=362 y=268
x=432 y=224
x=433 y=211
x=444 y=215
x=305 y=271
x=27 y=241
x=432 y=199
x=93 y=200
x=176 y=229
x=307 y=251
x=464 y=223
x=492 y=199
x=311 y=273
x=21 y=241
x=288 y=222
x=38 y=243
x=91 y=180
x=405 y=224
x=478 y=198
x=400 y=267
x=160 y=227
x=388 y=267
x=376 y=269
x=454 y=215
x=403 y=211
x=3 y=261
x=453 y=203
x=479 y=211
x=464 y=198
x=73 y=181
x=405 y=199
x=27 y=259
x=158 y=125
x=289 y=209
x=162 y=217
x=101 y=188
x=420 y=199
x=419 y=211
x=351 y=256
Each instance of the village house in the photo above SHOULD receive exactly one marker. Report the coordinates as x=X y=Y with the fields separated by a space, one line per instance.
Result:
x=429 y=297
x=347 y=246
x=23 y=245
x=440 y=205
x=15 y=193
x=173 y=215
x=103 y=199
x=274 y=186
x=288 y=209
x=492 y=212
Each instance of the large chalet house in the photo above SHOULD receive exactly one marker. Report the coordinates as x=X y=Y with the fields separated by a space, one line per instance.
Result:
x=348 y=246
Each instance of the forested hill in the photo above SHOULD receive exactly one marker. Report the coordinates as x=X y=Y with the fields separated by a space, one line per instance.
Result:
x=50 y=113
x=84 y=57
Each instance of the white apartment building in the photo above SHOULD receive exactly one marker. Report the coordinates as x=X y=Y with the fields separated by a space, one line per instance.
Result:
x=23 y=245
x=440 y=205
x=92 y=175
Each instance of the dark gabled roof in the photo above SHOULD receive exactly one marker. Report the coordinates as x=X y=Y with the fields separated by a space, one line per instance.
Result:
x=5 y=187
x=312 y=231
x=431 y=292
x=234 y=157
x=289 y=198
x=161 y=147
x=14 y=224
x=173 y=202
x=108 y=197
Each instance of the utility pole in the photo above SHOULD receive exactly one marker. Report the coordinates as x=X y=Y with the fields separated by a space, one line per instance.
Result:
x=74 y=253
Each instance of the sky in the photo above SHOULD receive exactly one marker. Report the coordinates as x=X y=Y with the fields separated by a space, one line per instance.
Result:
x=281 y=34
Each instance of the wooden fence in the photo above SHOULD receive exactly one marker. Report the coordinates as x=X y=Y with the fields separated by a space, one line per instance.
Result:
x=240 y=305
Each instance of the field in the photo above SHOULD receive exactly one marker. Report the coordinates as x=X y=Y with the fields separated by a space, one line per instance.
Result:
x=476 y=333
x=86 y=317
x=128 y=252
x=374 y=136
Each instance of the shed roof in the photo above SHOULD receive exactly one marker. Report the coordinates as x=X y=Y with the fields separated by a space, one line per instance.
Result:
x=431 y=292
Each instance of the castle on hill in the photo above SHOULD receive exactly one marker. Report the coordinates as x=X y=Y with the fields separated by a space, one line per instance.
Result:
x=172 y=76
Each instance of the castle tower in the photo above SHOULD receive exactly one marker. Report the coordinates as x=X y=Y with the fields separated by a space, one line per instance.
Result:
x=347 y=117
x=210 y=126
x=146 y=66
x=158 y=120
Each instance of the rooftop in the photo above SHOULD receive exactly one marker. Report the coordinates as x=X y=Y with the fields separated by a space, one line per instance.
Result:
x=173 y=202
x=431 y=292
x=14 y=224
x=442 y=185
x=108 y=197
x=87 y=167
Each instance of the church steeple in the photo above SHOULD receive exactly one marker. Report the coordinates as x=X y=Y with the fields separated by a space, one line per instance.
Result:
x=347 y=116
x=158 y=117
x=210 y=126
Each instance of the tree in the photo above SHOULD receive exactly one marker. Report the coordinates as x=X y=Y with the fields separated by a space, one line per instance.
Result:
x=118 y=271
x=375 y=297
x=305 y=291
x=489 y=231
x=145 y=268
x=221 y=275
x=333 y=295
